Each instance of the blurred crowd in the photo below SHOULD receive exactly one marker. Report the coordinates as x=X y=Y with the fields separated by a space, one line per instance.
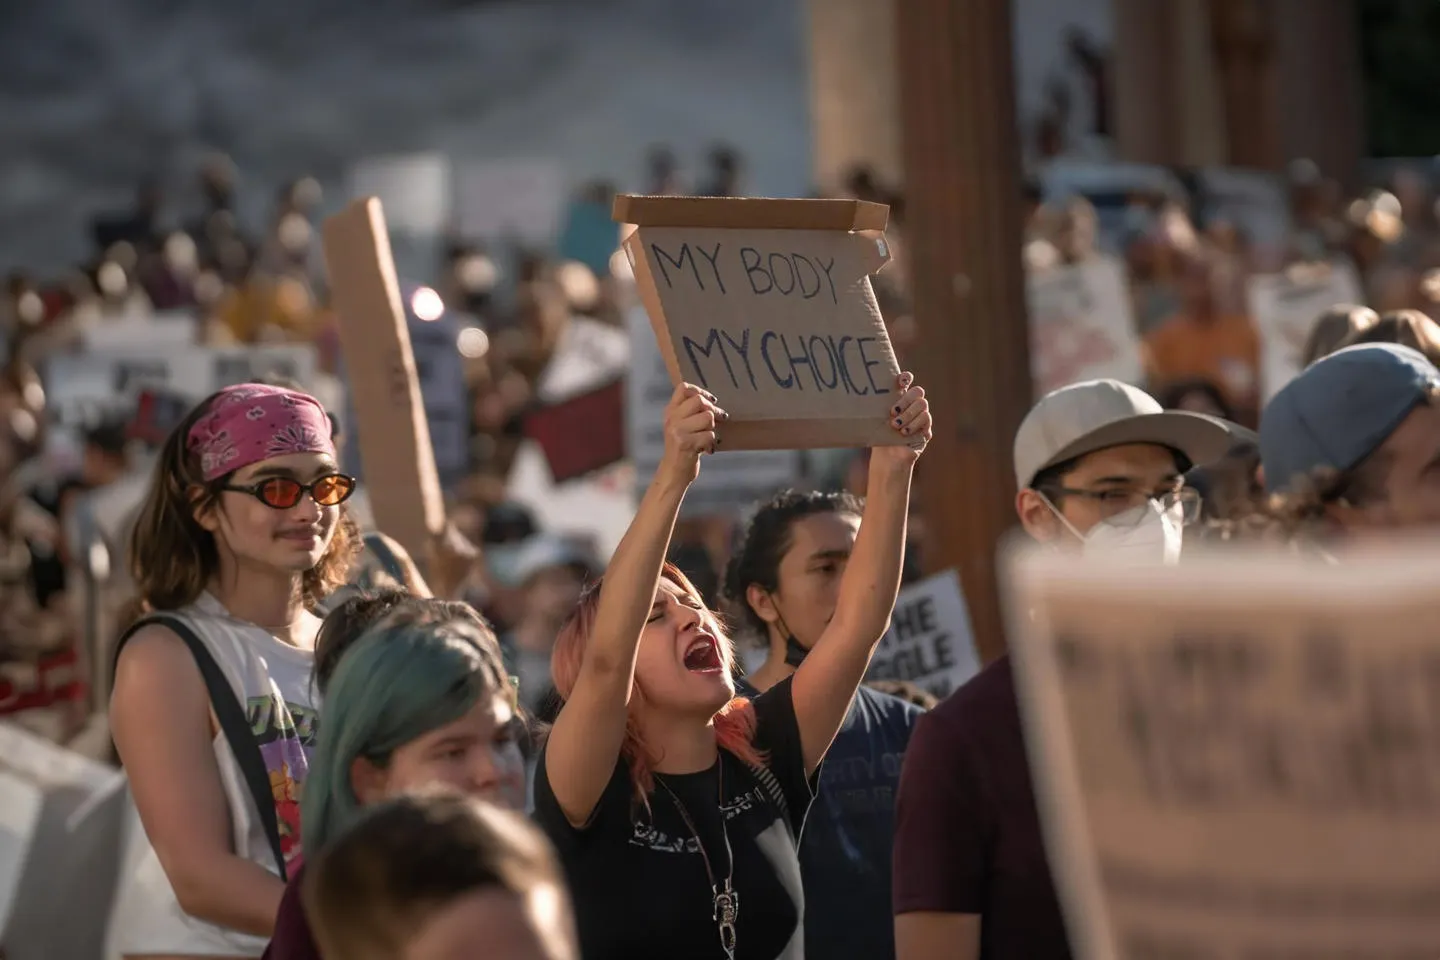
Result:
x=246 y=283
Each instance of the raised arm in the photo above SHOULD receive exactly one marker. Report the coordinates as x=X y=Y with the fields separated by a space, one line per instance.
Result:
x=585 y=741
x=160 y=719
x=825 y=683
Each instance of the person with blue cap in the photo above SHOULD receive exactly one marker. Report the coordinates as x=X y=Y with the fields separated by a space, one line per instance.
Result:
x=1354 y=441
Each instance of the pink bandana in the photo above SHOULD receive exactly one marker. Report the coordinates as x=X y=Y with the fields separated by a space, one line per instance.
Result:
x=251 y=422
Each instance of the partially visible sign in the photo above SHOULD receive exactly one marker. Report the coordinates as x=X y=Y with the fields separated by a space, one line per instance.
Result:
x=441 y=372
x=582 y=434
x=929 y=643
x=520 y=199
x=81 y=386
x=1285 y=307
x=1082 y=326
x=729 y=480
x=415 y=190
x=169 y=328
x=1238 y=756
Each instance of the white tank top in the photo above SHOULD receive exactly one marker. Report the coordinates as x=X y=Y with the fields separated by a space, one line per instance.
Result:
x=272 y=680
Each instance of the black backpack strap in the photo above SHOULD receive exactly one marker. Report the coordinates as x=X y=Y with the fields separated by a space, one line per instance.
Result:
x=388 y=561
x=231 y=716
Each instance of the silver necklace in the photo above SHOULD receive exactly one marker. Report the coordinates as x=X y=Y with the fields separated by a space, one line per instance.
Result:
x=726 y=900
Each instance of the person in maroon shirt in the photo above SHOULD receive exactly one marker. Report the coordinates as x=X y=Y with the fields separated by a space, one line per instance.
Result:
x=1099 y=466
x=474 y=750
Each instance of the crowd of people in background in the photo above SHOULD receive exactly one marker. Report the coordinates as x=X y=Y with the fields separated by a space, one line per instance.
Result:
x=246 y=283
x=491 y=654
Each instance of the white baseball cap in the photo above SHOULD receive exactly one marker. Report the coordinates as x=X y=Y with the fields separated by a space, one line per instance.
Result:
x=1095 y=414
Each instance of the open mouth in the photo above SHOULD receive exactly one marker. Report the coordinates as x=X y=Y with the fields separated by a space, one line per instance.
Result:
x=703 y=655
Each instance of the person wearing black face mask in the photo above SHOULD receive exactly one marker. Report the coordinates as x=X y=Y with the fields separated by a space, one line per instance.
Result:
x=784 y=583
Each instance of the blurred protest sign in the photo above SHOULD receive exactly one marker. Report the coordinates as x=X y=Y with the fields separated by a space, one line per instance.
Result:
x=582 y=434
x=1255 y=202
x=589 y=354
x=82 y=386
x=414 y=188
x=20 y=803
x=728 y=480
x=400 y=473
x=767 y=304
x=518 y=199
x=169 y=328
x=1238 y=756
x=1285 y=307
x=929 y=643
x=1081 y=325
x=441 y=373
x=62 y=904
x=597 y=507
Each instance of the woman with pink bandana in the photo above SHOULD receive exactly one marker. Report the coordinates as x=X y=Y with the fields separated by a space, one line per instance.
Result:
x=242 y=534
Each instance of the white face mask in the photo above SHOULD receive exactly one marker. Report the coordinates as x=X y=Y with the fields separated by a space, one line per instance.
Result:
x=1143 y=535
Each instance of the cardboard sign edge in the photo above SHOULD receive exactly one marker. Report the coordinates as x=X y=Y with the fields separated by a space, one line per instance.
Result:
x=750 y=213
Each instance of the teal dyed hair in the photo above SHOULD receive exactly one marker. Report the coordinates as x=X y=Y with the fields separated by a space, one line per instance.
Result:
x=404 y=677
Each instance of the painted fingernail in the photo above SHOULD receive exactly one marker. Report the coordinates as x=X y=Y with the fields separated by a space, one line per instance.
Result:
x=895 y=409
x=897 y=421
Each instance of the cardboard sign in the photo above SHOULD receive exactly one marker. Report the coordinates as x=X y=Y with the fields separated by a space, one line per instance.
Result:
x=729 y=480
x=394 y=434
x=1285 y=306
x=582 y=434
x=767 y=304
x=1238 y=756
x=930 y=642
x=1081 y=325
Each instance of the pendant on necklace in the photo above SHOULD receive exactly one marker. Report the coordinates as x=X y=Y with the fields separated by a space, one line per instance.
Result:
x=727 y=910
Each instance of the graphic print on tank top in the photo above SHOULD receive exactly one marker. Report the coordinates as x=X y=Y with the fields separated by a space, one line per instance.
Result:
x=286 y=735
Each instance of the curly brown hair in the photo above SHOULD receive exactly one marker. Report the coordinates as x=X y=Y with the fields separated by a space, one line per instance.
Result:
x=172 y=557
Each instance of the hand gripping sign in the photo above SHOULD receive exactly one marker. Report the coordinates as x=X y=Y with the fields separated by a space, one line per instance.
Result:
x=767 y=304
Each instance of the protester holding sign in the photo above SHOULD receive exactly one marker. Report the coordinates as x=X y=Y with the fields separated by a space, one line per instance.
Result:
x=784 y=581
x=652 y=756
x=1100 y=467
x=243 y=532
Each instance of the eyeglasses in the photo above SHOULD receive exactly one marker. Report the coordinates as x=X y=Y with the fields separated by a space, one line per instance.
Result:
x=282 y=493
x=1123 y=505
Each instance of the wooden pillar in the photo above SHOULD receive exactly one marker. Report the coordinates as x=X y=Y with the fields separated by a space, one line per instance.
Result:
x=1319 y=82
x=1148 y=128
x=962 y=173
x=1243 y=33
x=852 y=91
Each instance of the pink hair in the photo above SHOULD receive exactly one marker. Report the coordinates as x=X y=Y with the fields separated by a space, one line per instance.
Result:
x=734 y=723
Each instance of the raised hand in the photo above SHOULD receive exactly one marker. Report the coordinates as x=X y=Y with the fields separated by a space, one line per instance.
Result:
x=909 y=416
x=691 y=419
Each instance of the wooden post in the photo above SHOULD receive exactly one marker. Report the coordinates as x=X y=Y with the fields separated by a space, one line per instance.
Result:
x=962 y=172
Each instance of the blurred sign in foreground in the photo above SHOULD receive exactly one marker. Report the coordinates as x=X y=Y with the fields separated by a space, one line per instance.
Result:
x=1238 y=756
x=767 y=304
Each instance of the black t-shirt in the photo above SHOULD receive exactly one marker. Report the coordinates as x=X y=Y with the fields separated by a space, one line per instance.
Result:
x=637 y=877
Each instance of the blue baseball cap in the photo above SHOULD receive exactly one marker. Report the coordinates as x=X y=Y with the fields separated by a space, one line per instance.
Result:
x=1341 y=409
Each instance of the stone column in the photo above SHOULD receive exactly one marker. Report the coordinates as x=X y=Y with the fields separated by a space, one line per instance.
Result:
x=853 y=94
x=962 y=173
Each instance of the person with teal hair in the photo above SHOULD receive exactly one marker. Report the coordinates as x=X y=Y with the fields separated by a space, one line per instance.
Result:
x=420 y=699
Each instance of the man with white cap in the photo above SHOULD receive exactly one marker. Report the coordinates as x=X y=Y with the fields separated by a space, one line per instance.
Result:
x=1100 y=467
